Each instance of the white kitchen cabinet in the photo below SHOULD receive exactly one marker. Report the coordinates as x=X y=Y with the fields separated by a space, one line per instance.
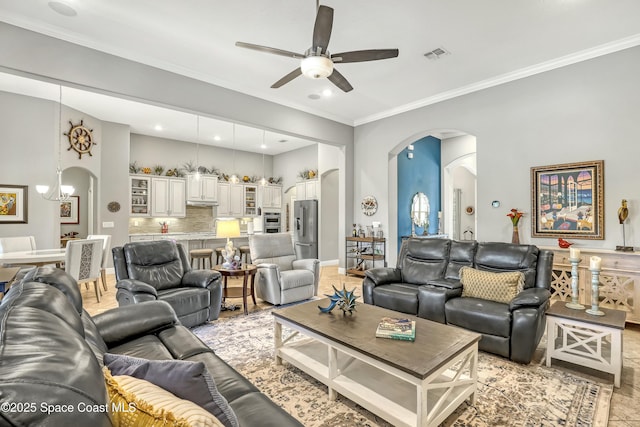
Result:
x=168 y=197
x=250 y=200
x=202 y=188
x=139 y=200
x=230 y=199
x=271 y=197
x=308 y=190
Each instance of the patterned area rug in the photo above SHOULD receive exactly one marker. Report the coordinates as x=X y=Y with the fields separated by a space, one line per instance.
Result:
x=509 y=394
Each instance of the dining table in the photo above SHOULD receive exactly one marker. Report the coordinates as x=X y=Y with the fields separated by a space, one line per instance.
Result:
x=34 y=257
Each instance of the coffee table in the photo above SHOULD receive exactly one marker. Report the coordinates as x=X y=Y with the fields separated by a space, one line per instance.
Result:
x=407 y=383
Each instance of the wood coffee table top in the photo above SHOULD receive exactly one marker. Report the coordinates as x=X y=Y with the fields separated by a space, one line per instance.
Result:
x=434 y=345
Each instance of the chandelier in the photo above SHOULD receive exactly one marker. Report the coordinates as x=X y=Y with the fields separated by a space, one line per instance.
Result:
x=57 y=192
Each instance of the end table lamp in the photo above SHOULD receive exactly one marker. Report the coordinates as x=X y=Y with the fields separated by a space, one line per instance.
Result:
x=229 y=228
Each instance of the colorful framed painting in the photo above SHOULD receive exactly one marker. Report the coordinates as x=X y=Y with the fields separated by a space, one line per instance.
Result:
x=568 y=200
x=13 y=204
x=70 y=211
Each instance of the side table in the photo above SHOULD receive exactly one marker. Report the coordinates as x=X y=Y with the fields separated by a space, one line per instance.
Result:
x=581 y=338
x=246 y=271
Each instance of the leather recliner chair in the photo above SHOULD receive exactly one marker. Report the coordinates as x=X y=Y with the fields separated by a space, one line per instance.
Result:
x=281 y=278
x=160 y=270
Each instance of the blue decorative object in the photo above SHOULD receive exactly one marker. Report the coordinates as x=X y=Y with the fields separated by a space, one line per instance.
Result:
x=345 y=300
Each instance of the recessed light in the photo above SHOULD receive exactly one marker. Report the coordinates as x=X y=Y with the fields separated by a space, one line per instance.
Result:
x=314 y=96
x=263 y=146
x=158 y=127
x=62 y=8
x=327 y=92
x=217 y=138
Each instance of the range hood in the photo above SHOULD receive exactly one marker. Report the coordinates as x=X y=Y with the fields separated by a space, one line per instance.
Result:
x=201 y=203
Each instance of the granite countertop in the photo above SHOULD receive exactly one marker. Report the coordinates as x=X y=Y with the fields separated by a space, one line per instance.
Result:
x=194 y=235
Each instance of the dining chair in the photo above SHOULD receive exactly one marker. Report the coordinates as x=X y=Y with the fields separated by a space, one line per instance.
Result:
x=18 y=244
x=83 y=260
x=106 y=249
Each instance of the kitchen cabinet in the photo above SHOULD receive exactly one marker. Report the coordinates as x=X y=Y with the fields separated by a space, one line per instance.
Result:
x=250 y=200
x=230 y=200
x=308 y=190
x=619 y=280
x=202 y=188
x=168 y=197
x=139 y=187
x=271 y=197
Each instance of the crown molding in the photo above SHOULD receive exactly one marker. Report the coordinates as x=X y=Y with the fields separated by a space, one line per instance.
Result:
x=522 y=73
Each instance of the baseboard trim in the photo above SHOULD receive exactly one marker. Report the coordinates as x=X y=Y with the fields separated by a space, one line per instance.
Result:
x=329 y=262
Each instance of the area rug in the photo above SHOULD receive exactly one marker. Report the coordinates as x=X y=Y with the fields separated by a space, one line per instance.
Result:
x=509 y=394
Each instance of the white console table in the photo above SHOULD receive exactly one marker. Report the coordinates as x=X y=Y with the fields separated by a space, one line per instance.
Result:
x=619 y=279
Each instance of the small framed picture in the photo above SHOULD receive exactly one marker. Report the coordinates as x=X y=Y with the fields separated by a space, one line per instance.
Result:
x=13 y=204
x=70 y=211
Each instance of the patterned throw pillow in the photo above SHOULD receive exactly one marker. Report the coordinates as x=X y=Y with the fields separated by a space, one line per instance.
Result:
x=499 y=287
x=138 y=403
x=186 y=379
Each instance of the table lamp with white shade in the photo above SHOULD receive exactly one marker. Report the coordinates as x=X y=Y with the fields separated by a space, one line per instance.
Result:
x=229 y=228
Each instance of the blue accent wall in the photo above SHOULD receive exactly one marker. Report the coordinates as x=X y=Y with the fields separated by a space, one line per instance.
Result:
x=420 y=174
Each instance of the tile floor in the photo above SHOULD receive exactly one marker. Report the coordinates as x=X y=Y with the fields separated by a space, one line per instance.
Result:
x=625 y=410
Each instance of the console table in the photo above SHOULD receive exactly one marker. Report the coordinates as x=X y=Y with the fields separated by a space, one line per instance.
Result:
x=619 y=279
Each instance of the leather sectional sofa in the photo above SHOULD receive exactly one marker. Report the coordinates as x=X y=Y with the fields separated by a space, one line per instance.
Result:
x=426 y=282
x=51 y=356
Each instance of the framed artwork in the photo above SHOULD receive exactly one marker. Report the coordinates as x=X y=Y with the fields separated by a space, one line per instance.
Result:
x=70 y=211
x=13 y=204
x=568 y=200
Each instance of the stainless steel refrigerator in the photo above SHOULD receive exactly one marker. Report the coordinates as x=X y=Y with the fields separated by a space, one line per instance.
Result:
x=305 y=229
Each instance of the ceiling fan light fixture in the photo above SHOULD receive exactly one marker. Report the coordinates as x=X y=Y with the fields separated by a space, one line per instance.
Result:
x=316 y=67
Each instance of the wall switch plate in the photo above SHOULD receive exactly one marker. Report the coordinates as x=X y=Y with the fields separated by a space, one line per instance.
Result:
x=108 y=224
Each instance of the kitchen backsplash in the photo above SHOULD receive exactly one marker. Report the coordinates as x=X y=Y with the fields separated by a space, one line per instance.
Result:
x=198 y=219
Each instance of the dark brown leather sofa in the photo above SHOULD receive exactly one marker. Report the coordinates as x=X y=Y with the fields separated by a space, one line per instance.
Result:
x=426 y=283
x=51 y=356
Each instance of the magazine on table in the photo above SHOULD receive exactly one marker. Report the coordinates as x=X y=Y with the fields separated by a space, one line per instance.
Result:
x=396 y=328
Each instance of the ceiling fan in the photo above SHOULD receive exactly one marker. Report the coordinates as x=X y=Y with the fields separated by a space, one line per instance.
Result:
x=317 y=62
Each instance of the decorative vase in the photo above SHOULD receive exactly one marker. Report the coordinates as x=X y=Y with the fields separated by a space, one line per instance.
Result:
x=515 y=237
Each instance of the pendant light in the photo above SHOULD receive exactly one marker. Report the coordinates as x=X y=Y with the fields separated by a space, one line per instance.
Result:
x=234 y=178
x=58 y=192
x=263 y=181
x=197 y=175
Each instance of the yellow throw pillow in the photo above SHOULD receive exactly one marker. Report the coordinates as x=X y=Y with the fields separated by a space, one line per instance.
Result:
x=138 y=403
x=499 y=287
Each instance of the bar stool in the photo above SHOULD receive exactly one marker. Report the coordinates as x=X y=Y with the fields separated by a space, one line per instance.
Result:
x=244 y=250
x=201 y=254
x=219 y=256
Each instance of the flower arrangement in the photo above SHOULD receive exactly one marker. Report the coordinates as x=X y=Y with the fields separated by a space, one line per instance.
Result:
x=515 y=216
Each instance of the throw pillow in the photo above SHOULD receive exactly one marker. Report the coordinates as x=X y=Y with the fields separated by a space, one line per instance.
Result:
x=138 y=403
x=499 y=287
x=186 y=379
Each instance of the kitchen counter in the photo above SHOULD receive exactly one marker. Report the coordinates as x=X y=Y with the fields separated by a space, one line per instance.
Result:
x=196 y=236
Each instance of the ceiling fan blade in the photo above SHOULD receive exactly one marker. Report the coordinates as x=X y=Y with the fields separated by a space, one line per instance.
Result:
x=286 y=79
x=338 y=79
x=322 y=29
x=364 y=55
x=272 y=50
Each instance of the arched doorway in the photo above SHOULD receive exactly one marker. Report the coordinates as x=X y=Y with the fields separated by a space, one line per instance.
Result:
x=84 y=221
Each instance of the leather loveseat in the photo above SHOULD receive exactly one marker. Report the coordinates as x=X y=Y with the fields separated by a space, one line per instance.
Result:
x=426 y=282
x=51 y=356
x=160 y=270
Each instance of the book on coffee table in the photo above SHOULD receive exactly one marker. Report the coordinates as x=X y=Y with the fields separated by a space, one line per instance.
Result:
x=396 y=328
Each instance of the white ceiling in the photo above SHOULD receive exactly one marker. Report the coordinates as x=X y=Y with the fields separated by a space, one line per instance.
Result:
x=490 y=42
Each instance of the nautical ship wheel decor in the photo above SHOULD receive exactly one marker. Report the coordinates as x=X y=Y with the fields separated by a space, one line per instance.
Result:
x=80 y=139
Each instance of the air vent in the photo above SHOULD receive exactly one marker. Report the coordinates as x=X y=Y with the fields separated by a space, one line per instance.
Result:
x=436 y=53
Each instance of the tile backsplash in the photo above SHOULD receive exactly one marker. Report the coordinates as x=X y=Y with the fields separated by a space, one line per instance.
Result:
x=198 y=218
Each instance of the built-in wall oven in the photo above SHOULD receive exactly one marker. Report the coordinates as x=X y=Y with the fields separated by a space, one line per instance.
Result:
x=271 y=222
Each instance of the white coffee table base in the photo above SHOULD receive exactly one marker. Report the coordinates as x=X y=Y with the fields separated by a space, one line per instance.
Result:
x=395 y=395
x=586 y=344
